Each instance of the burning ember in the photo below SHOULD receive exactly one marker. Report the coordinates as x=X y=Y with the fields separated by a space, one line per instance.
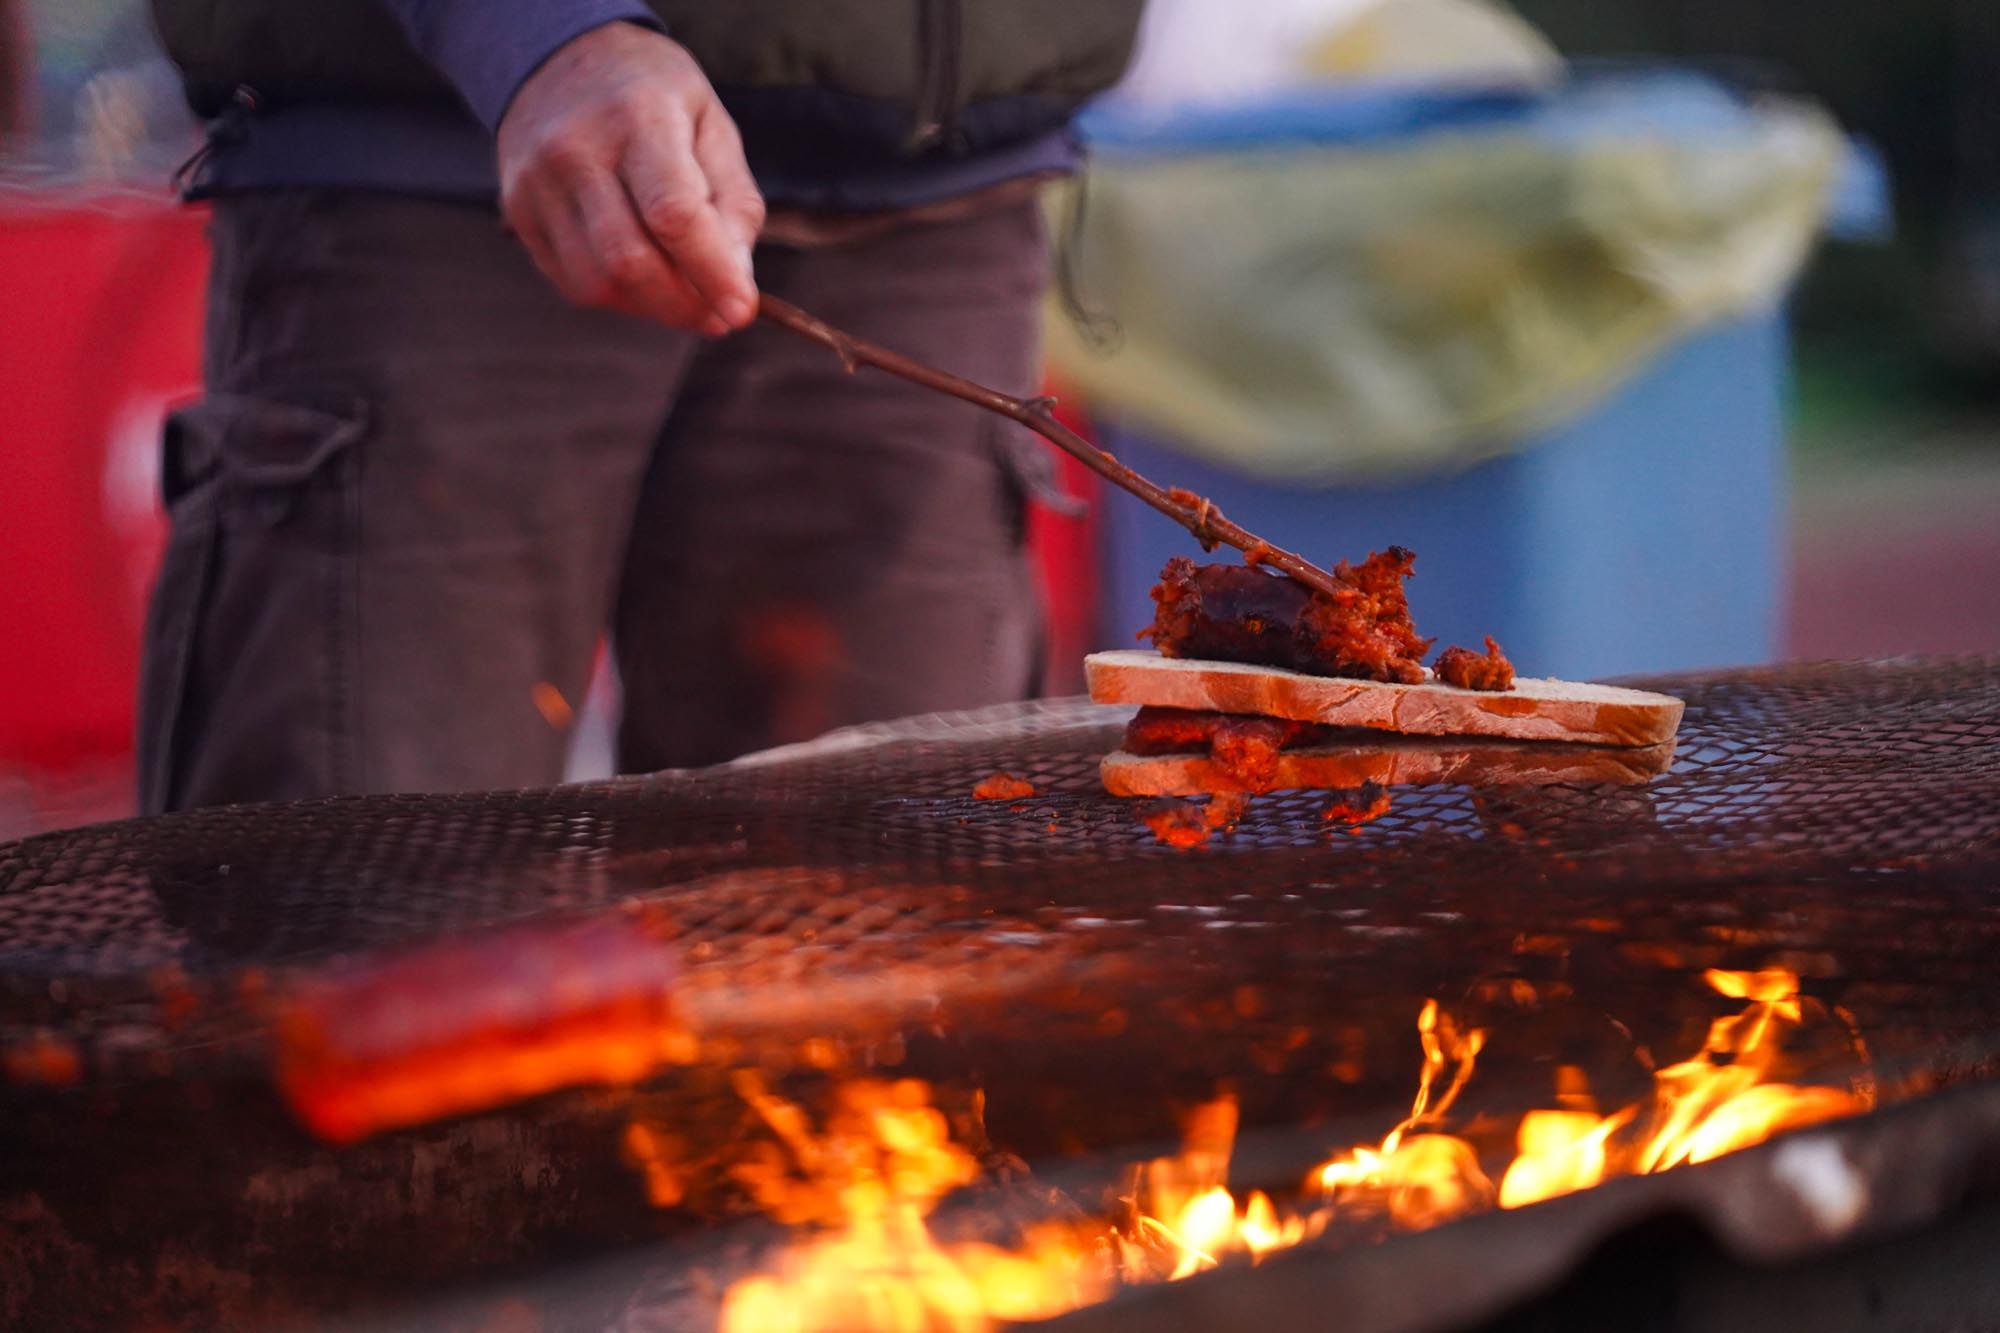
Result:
x=864 y=1185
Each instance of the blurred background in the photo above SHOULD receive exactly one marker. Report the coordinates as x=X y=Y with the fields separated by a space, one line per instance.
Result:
x=1895 y=389
x=1666 y=331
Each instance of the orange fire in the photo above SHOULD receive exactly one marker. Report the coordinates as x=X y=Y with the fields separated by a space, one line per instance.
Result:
x=1181 y=1217
x=1718 y=1101
x=865 y=1184
x=1423 y=1179
x=868 y=1182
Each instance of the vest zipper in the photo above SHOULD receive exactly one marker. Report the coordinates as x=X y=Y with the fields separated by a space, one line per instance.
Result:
x=938 y=37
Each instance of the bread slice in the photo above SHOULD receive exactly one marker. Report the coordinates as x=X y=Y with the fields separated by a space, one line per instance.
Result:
x=1394 y=761
x=1534 y=710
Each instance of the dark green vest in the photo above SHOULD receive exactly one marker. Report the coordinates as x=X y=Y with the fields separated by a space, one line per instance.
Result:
x=931 y=68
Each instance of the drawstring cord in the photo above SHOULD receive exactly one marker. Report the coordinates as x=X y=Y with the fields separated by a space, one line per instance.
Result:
x=226 y=129
x=1097 y=327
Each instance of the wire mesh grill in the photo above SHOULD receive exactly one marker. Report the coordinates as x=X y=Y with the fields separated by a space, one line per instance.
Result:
x=1847 y=815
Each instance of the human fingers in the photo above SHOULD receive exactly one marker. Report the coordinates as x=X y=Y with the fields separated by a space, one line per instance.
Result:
x=627 y=270
x=670 y=193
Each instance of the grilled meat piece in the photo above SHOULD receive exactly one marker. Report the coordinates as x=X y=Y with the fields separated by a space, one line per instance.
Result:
x=1184 y=824
x=1468 y=670
x=1236 y=613
x=1354 y=808
x=1246 y=750
x=1156 y=730
x=1244 y=746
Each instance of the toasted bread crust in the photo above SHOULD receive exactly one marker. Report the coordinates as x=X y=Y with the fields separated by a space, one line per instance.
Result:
x=1534 y=710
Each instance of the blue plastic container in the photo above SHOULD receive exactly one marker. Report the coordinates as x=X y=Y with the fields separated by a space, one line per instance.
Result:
x=1647 y=535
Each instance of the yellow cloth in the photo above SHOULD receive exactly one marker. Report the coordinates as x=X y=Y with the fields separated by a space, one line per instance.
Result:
x=1323 y=313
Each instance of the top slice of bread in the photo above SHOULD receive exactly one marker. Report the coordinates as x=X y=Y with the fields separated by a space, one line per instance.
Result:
x=1534 y=710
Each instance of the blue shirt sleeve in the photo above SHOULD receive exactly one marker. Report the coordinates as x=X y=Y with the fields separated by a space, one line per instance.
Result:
x=488 y=48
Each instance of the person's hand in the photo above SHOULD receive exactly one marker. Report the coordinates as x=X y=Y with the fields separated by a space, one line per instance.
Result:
x=625 y=178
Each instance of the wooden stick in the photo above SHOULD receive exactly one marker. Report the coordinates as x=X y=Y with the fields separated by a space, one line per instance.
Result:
x=1191 y=511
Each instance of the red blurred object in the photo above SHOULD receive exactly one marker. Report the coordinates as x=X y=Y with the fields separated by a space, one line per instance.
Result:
x=480 y=1021
x=103 y=332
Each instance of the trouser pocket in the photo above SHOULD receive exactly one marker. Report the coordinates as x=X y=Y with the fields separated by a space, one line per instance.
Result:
x=250 y=599
x=1029 y=477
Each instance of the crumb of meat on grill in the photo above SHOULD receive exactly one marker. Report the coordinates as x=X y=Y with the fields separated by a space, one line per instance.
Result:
x=1468 y=670
x=1176 y=823
x=1225 y=810
x=1187 y=824
x=1003 y=787
x=1354 y=808
x=1244 y=613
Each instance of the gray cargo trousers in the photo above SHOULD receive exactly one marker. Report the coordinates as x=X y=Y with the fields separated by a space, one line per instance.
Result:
x=419 y=489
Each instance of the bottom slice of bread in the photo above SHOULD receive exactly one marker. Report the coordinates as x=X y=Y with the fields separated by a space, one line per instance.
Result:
x=1394 y=761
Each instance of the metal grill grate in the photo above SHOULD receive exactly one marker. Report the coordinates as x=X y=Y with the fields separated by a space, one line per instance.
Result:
x=1862 y=802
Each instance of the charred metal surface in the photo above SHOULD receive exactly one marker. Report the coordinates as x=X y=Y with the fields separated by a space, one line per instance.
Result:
x=1840 y=821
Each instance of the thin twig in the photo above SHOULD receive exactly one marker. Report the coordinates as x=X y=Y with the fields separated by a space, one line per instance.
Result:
x=1191 y=511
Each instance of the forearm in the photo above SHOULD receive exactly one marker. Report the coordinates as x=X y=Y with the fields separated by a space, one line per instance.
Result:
x=488 y=48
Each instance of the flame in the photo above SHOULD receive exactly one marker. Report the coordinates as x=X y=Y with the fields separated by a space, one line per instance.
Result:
x=1719 y=1100
x=1700 y=1100
x=1424 y=1179
x=1560 y=1151
x=863 y=1187
x=1211 y=1226
x=867 y=1184
x=1182 y=1214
